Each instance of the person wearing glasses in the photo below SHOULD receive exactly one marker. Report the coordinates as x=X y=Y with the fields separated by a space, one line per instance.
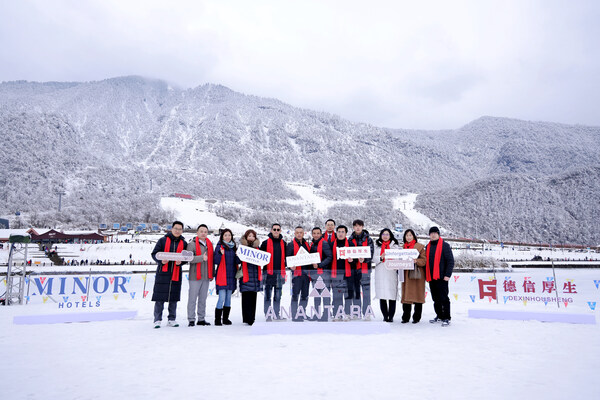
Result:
x=167 y=284
x=274 y=271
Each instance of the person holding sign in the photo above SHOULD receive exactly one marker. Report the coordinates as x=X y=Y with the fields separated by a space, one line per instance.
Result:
x=274 y=271
x=341 y=271
x=322 y=269
x=413 y=286
x=300 y=280
x=228 y=263
x=438 y=270
x=167 y=284
x=386 y=280
x=200 y=276
x=251 y=280
x=361 y=268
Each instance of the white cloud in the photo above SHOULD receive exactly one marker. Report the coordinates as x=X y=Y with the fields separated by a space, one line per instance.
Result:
x=397 y=64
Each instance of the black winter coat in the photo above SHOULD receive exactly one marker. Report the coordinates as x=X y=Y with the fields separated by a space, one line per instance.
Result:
x=289 y=252
x=253 y=284
x=359 y=242
x=446 y=260
x=326 y=257
x=276 y=278
x=165 y=289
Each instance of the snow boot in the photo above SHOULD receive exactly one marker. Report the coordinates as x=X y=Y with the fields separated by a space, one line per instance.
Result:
x=226 y=311
x=218 y=313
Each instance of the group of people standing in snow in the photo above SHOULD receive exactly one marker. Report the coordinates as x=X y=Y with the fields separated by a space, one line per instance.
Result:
x=348 y=281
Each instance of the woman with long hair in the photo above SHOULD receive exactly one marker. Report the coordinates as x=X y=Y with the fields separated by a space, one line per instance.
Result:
x=250 y=282
x=413 y=287
x=386 y=280
x=227 y=263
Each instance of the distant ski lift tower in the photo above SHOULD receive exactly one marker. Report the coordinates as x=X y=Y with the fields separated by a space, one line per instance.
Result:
x=15 y=274
x=60 y=194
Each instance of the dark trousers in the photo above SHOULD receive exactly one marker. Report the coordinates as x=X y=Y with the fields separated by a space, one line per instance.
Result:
x=353 y=291
x=248 y=307
x=159 y=306
x=388 y=311
x=300 y=286
x=441 y=301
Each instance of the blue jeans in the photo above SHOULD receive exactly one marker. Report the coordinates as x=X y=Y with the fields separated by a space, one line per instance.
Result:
x=224 y=297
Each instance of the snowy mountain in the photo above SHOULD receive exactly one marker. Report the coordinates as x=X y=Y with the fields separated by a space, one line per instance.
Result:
x=102 y=143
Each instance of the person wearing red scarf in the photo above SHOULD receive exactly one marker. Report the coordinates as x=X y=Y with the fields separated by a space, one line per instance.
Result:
x=386 y=280
x=321 y=270
x=341 y=271
x=438 y=270
x=360 y=281
x=300 y=280
x=200 y=276
x=251 y=280
x=413 y=285
x=329 y=235
x=167 y=284
x=225 y=282
x=274 y=272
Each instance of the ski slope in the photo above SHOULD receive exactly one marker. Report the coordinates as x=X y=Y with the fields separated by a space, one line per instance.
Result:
x=406 y=205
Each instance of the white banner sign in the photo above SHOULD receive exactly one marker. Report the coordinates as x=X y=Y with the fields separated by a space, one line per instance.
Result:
x=303 y=258
x=253 y=256
x=185 y=255
x=354 y=252
x=399 y=264
x=401 y=254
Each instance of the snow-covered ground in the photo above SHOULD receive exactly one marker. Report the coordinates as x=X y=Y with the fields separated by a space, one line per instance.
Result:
x=473 y=358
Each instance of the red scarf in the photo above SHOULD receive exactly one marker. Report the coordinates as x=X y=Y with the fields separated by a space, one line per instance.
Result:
x=270 y=251
x=334 y=265
x=320 y=251
x=436 y=261
x=209 y=252
x=222 y=270
x=364 y=267
x=176 y=268
x=329 y=237
x=298 y=270
x=247 y=276
x=410 y=245
x=384 y=246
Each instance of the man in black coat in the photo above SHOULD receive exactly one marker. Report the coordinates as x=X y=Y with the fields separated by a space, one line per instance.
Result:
x=322 y=270
x=274 y=272
x=167 y=285
x=438 y=270
x=360 y=280
x=300 y=274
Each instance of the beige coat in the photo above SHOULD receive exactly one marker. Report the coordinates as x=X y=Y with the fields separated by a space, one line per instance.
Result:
x=413 y=290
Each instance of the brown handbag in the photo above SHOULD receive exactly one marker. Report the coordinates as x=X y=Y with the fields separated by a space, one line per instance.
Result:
x=415 y=273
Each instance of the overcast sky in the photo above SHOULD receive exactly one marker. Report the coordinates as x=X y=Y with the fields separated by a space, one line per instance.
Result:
x=418 y=64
